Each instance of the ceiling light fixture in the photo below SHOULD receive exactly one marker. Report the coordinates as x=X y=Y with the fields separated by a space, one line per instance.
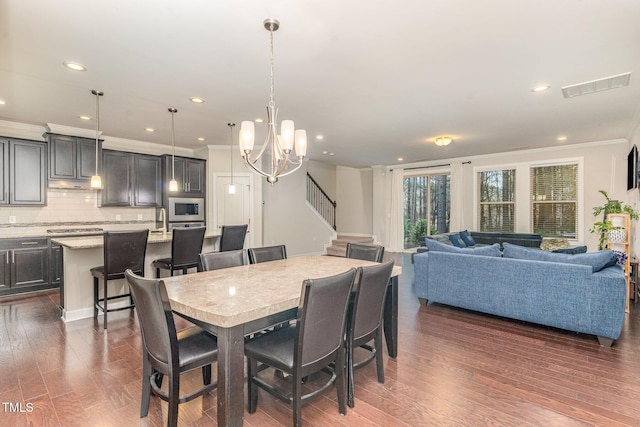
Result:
x=319 y=137
x=74 y=66
x=562 y=138
x=197 y=100
x=84 y=117
x=280 y=146
x=200 y=138
x=149 y=130
x=2 y=102
x=442 y=141
x=232 y=188
x=173 y=184
x=540 y=88
x=96 y=180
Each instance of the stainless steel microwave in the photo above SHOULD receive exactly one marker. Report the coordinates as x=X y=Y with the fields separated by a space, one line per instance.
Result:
x=186 y=209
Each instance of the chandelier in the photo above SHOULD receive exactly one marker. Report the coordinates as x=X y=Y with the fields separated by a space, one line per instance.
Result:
x=280 y=145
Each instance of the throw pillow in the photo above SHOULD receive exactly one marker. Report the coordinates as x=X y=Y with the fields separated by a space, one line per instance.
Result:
x=596 y=260
x=573 y=250
x=493 y=250
x=457 y=241
x=466 y=238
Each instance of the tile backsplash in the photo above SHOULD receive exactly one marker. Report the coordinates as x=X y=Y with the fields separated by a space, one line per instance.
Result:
x=70 y=208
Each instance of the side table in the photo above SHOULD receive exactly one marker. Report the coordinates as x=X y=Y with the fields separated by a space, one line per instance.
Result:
x=633 y=279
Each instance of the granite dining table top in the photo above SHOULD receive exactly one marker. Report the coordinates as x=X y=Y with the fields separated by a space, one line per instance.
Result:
x=237 y=295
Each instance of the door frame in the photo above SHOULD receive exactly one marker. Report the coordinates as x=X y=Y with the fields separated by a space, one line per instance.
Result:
x=250 y=241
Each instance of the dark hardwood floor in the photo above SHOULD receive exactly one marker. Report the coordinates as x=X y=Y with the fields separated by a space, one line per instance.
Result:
x=454 y=367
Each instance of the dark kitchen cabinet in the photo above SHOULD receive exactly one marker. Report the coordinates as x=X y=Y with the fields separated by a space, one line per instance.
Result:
x=25 y=265
x=190 y=175
x=72 y=158
x=55 y=264
x=131 y=179
x=23 y=172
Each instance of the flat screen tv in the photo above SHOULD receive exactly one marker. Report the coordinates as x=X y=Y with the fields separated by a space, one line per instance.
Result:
x=632 y=169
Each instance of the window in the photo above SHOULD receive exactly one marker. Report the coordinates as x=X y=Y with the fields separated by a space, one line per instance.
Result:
x=426 y=207
x=554 y=200
x=497 y=200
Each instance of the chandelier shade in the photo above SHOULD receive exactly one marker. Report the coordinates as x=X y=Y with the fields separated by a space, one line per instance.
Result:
x=279 y=145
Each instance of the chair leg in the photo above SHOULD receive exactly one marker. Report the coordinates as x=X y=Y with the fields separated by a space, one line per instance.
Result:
x=350 y=380
x=146 y=385
x=96 y=296
x=105 y=302
x=157 y=273
x=206 y=374
x=184 y=271
x=252 y=390
x=341 y=382
x=379 y=358
x=297 y=401
x=174 y=399
x=159 y=377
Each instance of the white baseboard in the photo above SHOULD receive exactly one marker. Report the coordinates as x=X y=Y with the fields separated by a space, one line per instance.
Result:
x=86 y=313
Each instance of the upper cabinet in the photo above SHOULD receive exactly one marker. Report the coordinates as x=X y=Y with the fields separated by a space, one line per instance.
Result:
x=189 y=173
x=131 y=179
x=72 y=160
x=23 y=172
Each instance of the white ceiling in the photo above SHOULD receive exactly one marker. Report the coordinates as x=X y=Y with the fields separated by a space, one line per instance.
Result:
x=379 y=80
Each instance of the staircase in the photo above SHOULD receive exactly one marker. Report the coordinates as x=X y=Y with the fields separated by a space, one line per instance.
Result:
x=339 y=246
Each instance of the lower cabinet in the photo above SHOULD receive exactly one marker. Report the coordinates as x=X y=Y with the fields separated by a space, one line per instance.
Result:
x=25 y=265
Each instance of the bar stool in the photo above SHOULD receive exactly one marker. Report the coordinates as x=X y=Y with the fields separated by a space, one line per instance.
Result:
x=232 y=237
x=186 y=245
x=122 y=250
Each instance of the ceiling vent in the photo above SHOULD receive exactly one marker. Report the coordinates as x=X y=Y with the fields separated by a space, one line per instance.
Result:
x=596 y=85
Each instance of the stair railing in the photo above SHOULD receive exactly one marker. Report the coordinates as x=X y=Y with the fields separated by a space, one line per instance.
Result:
x=320 y=201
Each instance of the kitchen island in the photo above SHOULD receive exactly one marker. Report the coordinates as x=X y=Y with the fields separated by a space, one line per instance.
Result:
x=82 y=253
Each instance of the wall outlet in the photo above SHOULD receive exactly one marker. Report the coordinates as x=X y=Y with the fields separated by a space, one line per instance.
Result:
x=12 y=219
x=139 y=217
x=117 y=217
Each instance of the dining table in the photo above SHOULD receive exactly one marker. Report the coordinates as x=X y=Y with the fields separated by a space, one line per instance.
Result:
x=235 y=302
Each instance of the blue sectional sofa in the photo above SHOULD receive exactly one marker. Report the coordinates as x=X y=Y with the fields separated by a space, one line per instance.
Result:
x=582 y=293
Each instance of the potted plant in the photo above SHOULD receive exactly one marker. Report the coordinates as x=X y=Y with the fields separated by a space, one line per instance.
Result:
x=602 y=228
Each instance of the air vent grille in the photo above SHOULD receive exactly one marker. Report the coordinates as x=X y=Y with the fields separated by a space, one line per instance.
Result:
x=594 y=86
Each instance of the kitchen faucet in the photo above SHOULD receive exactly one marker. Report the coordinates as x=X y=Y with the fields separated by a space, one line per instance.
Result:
x=163 y=217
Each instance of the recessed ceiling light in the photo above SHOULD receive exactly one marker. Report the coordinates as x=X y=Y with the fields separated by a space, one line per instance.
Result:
x=84 y=117
x=319 y=137
x=442 y=141
x=197 y=100
x=149 y=130
x=258 y=120
x=325 y=152
x=200 y=138
x=332 y=154
x=2 y=102
x=74 y=66
x=540 y=88
x=562 y=138
x=400 y=159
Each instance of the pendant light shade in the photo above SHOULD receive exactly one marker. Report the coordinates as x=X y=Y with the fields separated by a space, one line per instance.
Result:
x=173 y=184
x=96 y=180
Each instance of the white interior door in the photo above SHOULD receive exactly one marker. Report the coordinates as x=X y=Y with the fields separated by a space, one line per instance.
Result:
x=234 y=209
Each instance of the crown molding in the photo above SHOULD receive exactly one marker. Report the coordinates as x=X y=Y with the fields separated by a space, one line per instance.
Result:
x=71 y=131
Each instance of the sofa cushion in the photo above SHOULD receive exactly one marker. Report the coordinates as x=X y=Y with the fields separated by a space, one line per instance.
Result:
x=493 y=250
x=572 y=250
x=596 y=260
x=457 y=241
x=466 y=238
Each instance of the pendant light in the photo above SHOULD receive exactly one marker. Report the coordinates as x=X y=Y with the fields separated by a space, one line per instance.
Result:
x=232 y=186
x=173 y=184
x=96 y=180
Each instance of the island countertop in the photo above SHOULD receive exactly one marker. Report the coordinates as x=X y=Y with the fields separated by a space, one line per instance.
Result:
x=88 y=242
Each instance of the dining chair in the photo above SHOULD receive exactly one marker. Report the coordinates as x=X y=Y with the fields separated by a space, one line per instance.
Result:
x=267 y=253
x=232 y=237
x=218 y=260
x=310 y=345
x=186 y=245
x=122 y=250
x=365 y=321
x=167 y=352
x=365 y=252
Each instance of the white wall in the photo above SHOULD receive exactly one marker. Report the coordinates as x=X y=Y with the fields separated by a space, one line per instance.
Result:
x=604 y=167
x=354 y=201
x=288 y=220
x=325 y=175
